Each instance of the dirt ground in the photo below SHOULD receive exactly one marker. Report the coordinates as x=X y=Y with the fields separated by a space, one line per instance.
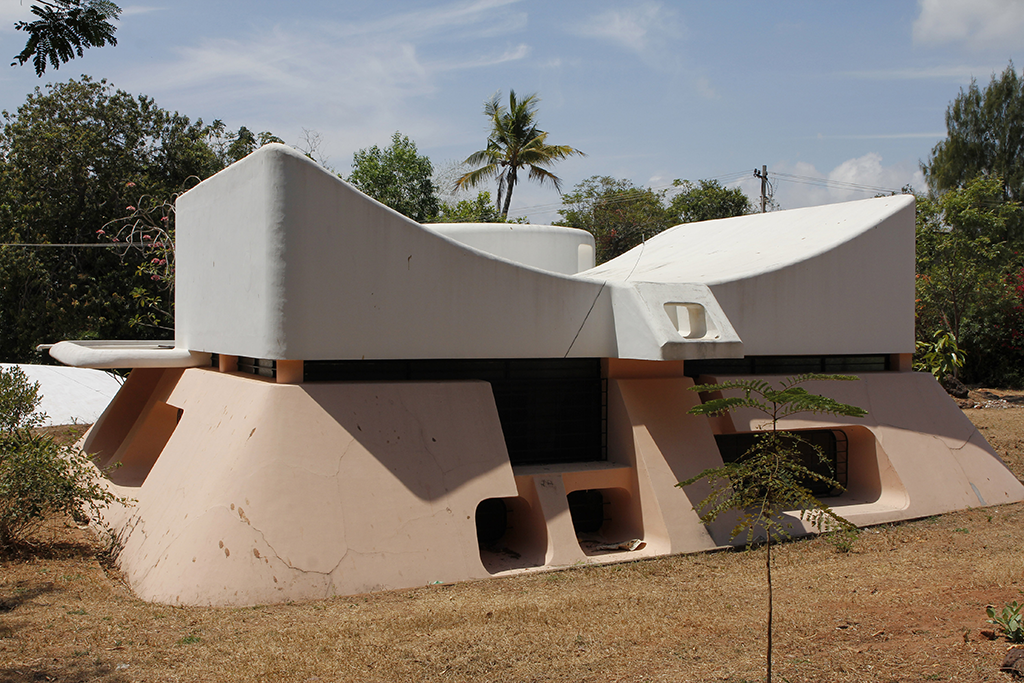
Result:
x=906 y=604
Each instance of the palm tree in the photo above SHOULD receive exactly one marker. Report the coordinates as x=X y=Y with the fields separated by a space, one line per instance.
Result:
x=514 y=143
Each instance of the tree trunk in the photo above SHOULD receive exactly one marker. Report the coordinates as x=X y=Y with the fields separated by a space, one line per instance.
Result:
x=768 y=569
x=510 y=183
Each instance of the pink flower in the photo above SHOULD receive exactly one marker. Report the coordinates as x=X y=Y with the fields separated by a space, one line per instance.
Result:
x=155 y=261
x=101 y=232
x=163 y=261
x=129 y=184
x=129 y=208
x=156 y=277
x=114 y=239
x=164 y=219
x=146 y=237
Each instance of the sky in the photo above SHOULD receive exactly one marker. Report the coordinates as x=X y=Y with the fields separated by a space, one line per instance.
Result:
x=839 y=100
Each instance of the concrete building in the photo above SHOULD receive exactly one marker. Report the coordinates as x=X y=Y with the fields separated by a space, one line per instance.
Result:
x=355 y=401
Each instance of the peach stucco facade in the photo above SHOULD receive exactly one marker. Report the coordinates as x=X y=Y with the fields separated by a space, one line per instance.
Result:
x=368 y=403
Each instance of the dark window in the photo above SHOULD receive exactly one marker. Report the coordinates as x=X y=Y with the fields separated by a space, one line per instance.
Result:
x=787 y=365
x=832 y=442
x=552 y=410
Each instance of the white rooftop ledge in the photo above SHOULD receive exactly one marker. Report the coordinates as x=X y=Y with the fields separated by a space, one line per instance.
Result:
x=109 y=354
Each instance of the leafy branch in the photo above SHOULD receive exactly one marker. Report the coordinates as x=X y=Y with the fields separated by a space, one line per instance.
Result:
x=770 y=477
x=65 y=28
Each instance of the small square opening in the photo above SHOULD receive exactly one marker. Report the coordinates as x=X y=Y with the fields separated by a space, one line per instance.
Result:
x=510 y=533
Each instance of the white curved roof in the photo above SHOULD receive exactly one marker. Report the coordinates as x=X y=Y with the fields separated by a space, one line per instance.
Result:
x=278 y=258
x=826 y=280
x=730 y=249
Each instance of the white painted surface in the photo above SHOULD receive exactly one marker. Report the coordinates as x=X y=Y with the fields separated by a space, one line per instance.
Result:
x=113 y=354
x=278 y=258
x=548 y=247
x=71 y=395
x=836 y=279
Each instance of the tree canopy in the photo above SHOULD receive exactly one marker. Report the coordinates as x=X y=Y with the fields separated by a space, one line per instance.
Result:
x=477 y=210
x=969 y=279
x=707 y=200
x=77 y=160
x=984 y=136
x=970 y=235
x=64 y=29
x=619 y=214
x=397 y=176
x=515 y=143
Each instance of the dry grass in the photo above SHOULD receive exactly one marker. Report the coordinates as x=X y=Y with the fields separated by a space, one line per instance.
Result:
x=906 y=605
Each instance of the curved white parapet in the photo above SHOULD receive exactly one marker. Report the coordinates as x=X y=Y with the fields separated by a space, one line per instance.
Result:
x=548 y=247
x=278 y=258
x=834 y=279
x=126 y=354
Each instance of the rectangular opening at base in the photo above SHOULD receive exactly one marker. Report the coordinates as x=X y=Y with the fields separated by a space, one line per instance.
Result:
x=833 y=445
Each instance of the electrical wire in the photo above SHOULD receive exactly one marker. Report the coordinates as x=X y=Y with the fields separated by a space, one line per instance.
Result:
x=112 y=245
x=625 y=196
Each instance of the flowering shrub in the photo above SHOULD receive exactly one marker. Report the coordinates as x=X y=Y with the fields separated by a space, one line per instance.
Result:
x=148 y=231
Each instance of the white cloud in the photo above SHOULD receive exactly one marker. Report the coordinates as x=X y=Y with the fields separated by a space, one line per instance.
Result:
x=362 y=78
x=801 y=184
x=977 y=24
x=654 y=33
x=131 y=10
x=644 y=27
x=474 y=19
x=957 y=73
x=706 y=90
x=884 y=136
x=12 y=11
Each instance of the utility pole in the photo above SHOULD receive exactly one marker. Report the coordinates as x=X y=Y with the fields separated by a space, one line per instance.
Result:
x=763 y=175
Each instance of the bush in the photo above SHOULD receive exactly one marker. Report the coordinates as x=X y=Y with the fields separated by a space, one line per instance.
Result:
x=38 y=477
x=18 y=401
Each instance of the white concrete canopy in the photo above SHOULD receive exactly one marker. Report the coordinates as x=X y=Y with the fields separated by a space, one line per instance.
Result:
x=277 y=258
x=834 y=279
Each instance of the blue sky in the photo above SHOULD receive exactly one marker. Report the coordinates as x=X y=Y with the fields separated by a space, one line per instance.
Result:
x=847 y=92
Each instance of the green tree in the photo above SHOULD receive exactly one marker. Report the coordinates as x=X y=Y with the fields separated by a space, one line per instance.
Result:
x=397 y=176
x=966 y=284
x=73 y=158
x=478 y=210
x=984 y=137
x=65 y=28
x=707 y=201
x=619 y=214
x=19 y=401
x=771 y=477
x=231 y=146
x=515 y=143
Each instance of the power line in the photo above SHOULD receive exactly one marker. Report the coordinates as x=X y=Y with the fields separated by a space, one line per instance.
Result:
x=113 y=245
x=634 y=193
x=826 y=182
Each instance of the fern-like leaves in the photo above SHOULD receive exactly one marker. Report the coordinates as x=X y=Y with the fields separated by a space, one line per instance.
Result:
x=64 y=29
